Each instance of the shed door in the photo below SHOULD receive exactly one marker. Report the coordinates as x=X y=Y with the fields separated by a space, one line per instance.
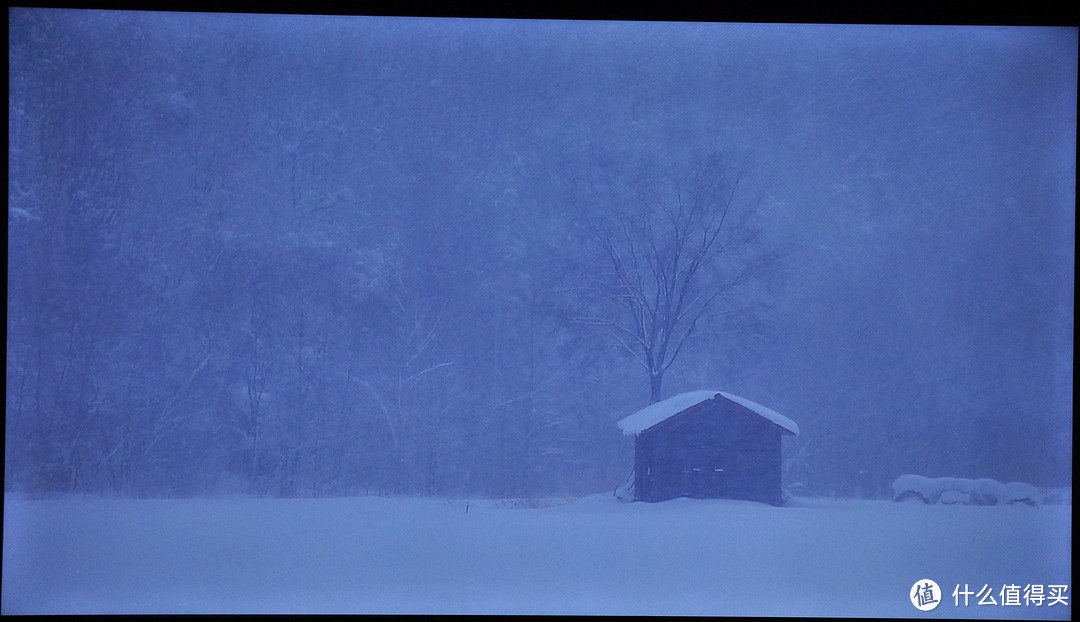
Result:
x=704 y=483
x=699 y=483
x=716 y=481
x=689 y=482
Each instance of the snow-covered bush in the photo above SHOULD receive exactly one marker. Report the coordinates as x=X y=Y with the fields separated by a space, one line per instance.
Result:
x=953 y=490
x=925 y=489
x=983 y=491
x=1019 y=492
x=952 y=497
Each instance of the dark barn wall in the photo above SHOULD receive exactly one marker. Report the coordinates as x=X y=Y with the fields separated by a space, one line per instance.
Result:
x=714 y=449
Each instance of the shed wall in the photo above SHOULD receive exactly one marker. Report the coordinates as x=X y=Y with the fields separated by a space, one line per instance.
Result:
x=716 y=449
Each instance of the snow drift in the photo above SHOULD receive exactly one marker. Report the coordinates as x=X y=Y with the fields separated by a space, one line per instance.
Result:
x=593 y=555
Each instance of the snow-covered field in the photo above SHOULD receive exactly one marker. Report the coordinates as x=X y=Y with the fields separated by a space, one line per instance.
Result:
x=593 y=555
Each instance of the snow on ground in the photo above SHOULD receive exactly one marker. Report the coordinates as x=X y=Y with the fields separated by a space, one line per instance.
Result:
x=593 y=555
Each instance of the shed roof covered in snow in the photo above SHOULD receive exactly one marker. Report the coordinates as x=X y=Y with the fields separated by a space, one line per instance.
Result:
x=655 y=413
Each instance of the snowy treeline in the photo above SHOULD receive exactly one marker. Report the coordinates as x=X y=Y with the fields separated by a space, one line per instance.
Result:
x=315 y=256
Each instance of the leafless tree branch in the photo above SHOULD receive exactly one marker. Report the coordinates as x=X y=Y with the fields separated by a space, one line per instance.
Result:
x=657 y=250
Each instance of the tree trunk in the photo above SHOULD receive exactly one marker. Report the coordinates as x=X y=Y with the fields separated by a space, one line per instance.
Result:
x=655 y=378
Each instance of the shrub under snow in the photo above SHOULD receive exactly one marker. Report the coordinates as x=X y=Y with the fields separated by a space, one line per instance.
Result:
x=952 y=490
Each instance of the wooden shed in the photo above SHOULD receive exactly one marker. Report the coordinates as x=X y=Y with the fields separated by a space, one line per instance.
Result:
x=707 y=444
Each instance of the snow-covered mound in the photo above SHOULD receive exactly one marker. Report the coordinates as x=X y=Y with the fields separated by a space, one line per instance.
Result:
x=954 y=490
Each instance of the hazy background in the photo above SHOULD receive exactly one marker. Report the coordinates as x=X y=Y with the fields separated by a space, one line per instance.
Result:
x=315 y=255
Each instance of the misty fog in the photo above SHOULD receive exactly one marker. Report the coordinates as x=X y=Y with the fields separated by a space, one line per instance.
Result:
x=291 y=255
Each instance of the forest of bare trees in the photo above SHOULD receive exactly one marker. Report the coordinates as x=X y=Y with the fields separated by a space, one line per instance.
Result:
x=335 y=257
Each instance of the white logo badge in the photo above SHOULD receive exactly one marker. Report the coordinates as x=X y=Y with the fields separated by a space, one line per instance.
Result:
x=925 y=595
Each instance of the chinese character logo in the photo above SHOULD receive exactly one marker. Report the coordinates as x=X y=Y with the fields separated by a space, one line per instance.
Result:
x=925 y=595
x=1011 y=594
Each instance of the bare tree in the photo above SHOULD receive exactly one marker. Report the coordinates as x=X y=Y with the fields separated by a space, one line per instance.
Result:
x=670 y=247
